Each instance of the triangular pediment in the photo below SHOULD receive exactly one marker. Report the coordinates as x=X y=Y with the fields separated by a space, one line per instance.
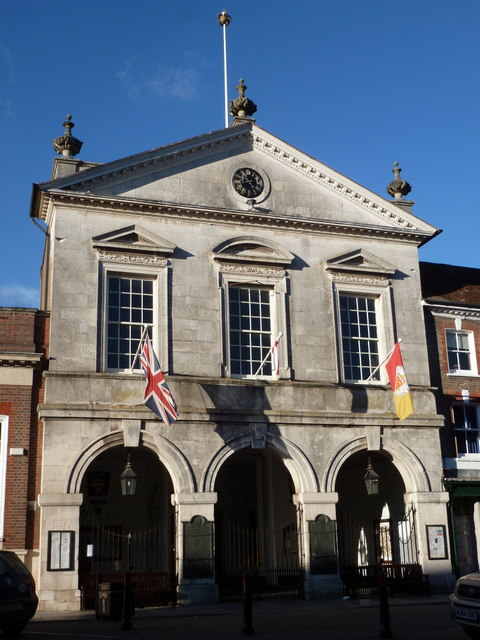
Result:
x=133 y=239
x=249 y=249
x=360 y=261
x=198 y=174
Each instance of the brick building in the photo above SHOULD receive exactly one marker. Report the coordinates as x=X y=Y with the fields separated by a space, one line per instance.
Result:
x=23 y=353
x=452 y=312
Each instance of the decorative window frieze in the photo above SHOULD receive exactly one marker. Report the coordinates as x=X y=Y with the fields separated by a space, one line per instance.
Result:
x=362 y=298
x=253 y=285
x=134 y=265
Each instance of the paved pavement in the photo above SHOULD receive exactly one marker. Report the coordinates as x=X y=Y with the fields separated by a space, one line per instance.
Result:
x=425 y=617
x=267 y=606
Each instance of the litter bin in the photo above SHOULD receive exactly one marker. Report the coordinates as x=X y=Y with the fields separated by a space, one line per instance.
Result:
x=110 y=600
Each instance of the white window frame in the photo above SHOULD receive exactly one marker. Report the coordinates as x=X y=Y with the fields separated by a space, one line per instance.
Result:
x=473 y=371
x=383 y=315
x=3 y=470
x=277 y=285
x=160 y=327
x=466 y=430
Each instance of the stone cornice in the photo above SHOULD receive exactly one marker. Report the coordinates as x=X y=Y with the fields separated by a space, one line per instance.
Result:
x=448 y=311
x=19 y=359
x=249 y=136
x=340 y=186
x=226 y=216
x=163 y=157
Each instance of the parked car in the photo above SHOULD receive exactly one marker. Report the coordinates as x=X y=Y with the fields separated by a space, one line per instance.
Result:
x=18 y=598
x=465 y=603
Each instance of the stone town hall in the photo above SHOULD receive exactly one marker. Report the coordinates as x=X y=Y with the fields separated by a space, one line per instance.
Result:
x=219 y=244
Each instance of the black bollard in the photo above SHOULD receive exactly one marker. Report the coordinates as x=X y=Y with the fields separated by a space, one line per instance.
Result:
x=385 y=627
x=127 y=602
x=247 y=605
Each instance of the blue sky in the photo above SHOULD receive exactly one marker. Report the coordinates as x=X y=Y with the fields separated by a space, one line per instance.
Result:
x=357 y=84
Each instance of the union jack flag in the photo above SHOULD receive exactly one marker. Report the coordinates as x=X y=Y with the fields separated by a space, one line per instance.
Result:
x=156 y=395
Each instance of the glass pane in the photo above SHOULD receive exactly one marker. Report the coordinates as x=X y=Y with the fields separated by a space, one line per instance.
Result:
x=136 y=286
x=113 y=284
x=451 y=340
x=148 y=286
x=452 y=361
x=464 y=361
x=112 y=330
x=113 y=298
x=148 y=316
x=112 y=361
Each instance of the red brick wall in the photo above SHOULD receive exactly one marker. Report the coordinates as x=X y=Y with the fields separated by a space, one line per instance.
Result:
x=452 y=385
x=449 y=386
x=22 y=331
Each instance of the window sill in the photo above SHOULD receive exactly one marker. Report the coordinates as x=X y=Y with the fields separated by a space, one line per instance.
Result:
x=463 y=374
x=472 y=463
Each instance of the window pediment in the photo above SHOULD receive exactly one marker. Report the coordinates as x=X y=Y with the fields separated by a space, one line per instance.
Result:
x=133 y=239
x=254 y=251
x=360 y=262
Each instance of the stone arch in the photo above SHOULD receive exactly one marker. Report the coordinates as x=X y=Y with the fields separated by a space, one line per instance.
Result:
x=300 y=469
x=405 y=460
x=169 y=455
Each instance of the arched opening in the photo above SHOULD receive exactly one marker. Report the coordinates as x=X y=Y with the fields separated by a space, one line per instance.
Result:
x=256 y=526
x=133 y=532
x=376 y=532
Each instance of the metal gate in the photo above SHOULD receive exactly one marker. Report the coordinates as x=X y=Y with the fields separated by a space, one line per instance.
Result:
x=270 y=557
x=387 y=544
x=107 y=552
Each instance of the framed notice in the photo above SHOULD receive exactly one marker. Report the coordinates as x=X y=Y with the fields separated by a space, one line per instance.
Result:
x=437 y=544
x=61 y=546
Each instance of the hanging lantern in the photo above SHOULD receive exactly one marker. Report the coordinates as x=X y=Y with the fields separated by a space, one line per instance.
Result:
x=128 y=480
x=371 y=480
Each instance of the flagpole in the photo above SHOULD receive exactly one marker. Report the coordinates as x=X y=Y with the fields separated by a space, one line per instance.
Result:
x=145 y=330
x=268 y=353
x=224 y=20
x=383 y=361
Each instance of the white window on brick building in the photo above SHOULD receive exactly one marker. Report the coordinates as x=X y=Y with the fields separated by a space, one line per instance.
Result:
x=466 y=421
x=461 y=352
x=3 y=470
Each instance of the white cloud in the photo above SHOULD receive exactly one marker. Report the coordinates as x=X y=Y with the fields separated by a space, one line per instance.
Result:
x=6 y=107
x=18 y=296
x=7 y=64
x=168 y=82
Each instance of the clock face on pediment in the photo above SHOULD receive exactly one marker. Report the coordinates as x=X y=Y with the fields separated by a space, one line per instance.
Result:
x=248 y=183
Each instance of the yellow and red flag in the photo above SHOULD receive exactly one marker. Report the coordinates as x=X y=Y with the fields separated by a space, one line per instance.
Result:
x=399 y=384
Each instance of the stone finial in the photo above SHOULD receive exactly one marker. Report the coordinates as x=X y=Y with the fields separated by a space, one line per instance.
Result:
x=398 y=187
x=67 y=144
x=224 y=19
x=242 y=107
